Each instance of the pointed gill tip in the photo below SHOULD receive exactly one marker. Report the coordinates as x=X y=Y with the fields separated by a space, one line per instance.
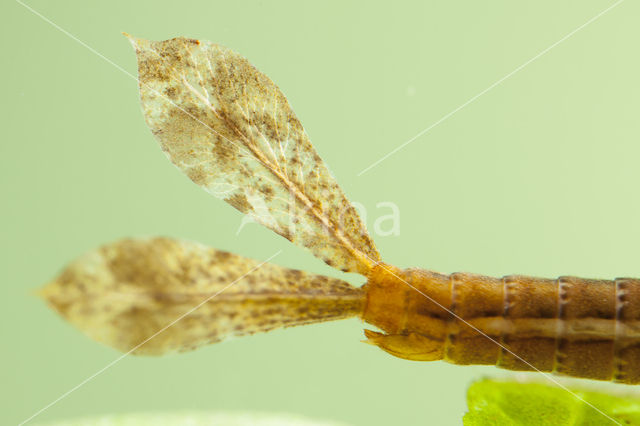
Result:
x=133 y=40
x=40 y=292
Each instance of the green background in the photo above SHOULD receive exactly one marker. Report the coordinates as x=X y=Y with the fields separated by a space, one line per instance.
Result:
x=538 y=176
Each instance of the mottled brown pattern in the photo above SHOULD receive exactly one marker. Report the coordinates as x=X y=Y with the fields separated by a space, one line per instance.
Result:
x=572 y=326
x=231 y=130
x=239 y=201
x=127 y=292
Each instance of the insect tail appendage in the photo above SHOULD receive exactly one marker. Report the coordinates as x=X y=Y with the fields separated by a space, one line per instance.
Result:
x=159 y=295
x=411 y=346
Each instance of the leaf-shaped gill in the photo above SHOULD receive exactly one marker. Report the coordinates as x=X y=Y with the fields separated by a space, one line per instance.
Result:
x=232 y=131
x=161 y=295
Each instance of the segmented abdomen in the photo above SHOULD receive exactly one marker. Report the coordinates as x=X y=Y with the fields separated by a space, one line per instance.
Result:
x=573 y=326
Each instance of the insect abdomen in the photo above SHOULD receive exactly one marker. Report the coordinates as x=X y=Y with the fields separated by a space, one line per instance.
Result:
x=572 y=326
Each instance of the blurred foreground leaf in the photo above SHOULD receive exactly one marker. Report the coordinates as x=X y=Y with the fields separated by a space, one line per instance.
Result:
x=195 y=419
x=513 y=403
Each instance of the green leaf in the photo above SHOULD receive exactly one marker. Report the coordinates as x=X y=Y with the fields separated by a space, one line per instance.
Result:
x=515 y=403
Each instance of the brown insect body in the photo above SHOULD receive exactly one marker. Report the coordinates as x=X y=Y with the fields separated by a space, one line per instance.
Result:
x=572 y=326
x=230 y=129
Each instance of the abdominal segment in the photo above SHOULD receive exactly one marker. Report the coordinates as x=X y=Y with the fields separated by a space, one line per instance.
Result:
x=571 y=326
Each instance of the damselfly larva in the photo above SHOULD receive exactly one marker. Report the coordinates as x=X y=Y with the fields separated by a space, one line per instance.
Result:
x=231 y=130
